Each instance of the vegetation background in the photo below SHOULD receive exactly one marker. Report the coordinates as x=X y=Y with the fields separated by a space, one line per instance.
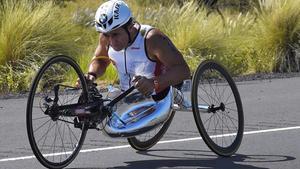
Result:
x=246 y=36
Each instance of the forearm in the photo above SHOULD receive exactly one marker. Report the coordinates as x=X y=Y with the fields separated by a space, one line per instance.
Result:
x=174 y=76
x=98 y=67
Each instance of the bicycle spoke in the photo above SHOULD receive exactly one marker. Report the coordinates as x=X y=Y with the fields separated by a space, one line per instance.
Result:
x=208 y=97
x=216 y=125
x=223 y=92
x=39 y=118
x=210 y=119
x=228 y=97
x=218 y=91
x=46 y=134
x=230 y=118
x=54 y=140
x=211 y=87
x=203 y=100
x=70 y=135
x=235 y=110
x=229 y=103
x=41 y=126
x=62 y=141
x=229 y=130
x=207 y=119
x=49 y=129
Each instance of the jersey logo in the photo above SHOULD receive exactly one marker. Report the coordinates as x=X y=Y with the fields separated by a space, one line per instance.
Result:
x=135 y=48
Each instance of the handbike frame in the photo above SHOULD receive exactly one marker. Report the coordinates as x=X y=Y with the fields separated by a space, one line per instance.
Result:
x=140 y=126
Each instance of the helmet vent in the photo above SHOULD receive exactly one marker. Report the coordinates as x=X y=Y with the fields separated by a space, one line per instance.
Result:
x=110 y=21
x=98 y=24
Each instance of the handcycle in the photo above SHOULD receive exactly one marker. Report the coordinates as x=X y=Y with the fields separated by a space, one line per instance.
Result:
x=59 y=114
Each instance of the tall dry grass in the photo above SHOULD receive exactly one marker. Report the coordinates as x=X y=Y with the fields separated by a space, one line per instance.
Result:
x=28 y=35
x=277 y=33
x=264 y=38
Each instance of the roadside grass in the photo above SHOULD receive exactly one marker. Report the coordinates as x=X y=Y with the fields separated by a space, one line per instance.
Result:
x=278 y=34
x=30 y=34
x=265 y=38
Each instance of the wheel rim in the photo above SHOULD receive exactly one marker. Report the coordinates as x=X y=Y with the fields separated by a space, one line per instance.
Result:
x=222 y=124
x=54 y=139
x=143 y=138
x=147 y=140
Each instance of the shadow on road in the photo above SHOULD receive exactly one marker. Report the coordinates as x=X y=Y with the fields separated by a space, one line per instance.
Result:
x=198 y=159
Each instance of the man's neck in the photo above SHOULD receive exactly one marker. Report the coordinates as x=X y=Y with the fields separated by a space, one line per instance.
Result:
x=134 y=33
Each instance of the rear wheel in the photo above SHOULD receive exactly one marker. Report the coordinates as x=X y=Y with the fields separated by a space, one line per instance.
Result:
x=146 y=141
x=221 y=123
x=53 y=138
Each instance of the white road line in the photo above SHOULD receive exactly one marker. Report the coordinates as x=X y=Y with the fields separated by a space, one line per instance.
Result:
x=161 y=142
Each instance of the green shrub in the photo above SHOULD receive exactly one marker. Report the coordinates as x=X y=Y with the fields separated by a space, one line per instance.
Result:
x=277 y=33
x=31 y=34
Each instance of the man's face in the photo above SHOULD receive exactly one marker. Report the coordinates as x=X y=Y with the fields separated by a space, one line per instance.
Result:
x=118 y=39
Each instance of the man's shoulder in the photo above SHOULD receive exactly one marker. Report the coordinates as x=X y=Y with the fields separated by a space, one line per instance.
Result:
x=145 y=29
x=155 y=37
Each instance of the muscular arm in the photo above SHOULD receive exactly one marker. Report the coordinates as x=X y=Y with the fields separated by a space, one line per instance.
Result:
x=100 y=60
x=160 y=48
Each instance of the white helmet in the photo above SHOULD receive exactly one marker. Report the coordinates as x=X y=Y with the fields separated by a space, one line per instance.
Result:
x=112 y=15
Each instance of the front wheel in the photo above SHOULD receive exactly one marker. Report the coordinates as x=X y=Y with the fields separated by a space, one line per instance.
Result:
x=217 y=108
x=53 y=137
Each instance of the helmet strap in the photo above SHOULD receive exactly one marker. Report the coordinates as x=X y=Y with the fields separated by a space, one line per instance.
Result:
x=128 y=33
x=125 y=27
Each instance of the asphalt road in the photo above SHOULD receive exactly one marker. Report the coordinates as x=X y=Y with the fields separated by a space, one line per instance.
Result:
x=271 y=138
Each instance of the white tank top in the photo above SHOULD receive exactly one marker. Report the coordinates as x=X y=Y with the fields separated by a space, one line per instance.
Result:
x=133 y=60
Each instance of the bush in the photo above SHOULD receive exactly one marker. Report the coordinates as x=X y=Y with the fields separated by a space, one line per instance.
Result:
x=30 y=34
x=278 y=33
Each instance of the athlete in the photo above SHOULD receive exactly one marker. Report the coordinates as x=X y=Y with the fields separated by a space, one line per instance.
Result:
x=143 y=55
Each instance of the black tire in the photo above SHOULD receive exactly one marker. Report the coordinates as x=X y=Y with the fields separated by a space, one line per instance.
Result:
x=213 y=86
x=55 y=142
x=145 y=141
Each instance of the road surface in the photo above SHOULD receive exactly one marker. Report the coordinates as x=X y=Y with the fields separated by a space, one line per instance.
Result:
x=271 y=138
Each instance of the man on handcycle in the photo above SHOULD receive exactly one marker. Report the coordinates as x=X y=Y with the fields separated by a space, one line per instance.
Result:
x=143 y=55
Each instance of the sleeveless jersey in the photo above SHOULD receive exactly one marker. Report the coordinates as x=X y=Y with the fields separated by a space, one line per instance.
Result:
x=133 y=60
